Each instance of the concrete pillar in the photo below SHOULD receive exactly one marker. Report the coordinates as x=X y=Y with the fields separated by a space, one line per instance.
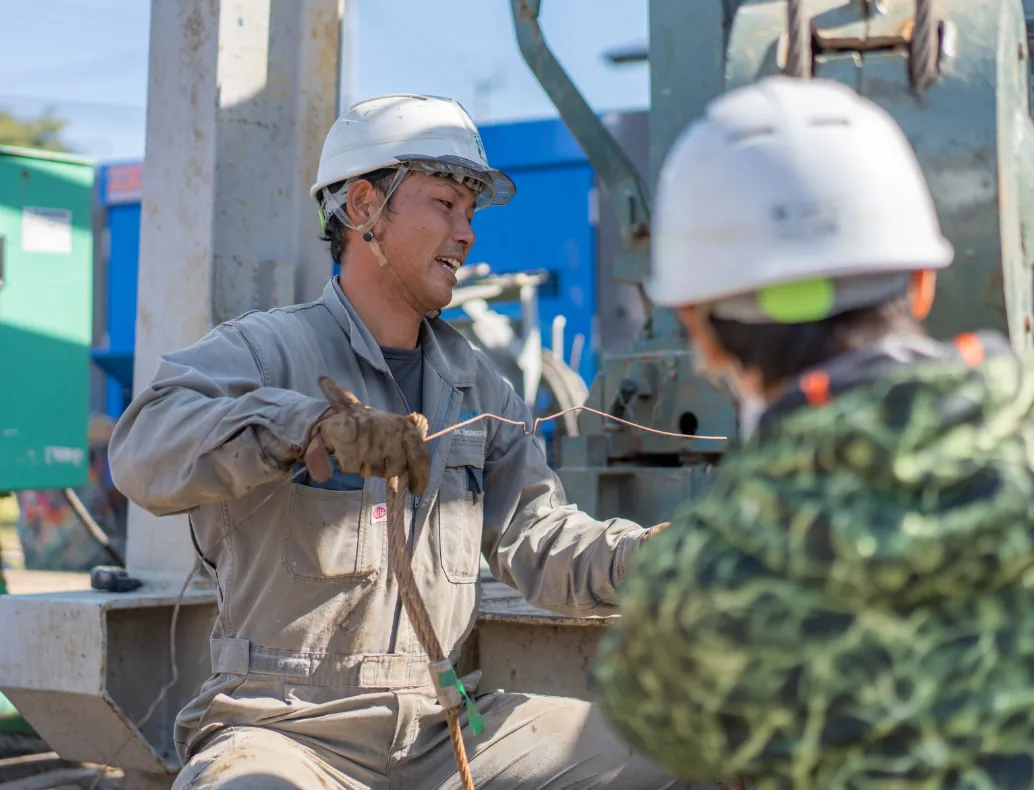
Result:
x=240 y=96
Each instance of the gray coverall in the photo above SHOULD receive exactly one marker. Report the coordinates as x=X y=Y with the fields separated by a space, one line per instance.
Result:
x=318 y=678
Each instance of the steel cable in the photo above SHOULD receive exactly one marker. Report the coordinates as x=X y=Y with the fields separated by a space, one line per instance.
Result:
x=798 y=52
x=923 y=62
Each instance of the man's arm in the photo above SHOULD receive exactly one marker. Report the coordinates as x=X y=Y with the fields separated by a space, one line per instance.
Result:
x=209 y=427
x=558 y=557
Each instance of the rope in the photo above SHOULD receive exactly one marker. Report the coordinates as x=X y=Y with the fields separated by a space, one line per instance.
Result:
x=417 y=612
x=923 y=62
x=416 y=609
x=798 y=53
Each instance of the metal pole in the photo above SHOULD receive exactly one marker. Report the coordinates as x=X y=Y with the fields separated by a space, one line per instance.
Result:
x=92 y=526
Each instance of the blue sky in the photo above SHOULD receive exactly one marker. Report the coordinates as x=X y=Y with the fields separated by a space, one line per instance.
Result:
x=87 y=59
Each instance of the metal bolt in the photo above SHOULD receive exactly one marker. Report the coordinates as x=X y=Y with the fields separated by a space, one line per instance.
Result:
x=1026 y=324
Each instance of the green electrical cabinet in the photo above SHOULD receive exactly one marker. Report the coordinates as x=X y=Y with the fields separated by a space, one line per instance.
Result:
x=46 y=307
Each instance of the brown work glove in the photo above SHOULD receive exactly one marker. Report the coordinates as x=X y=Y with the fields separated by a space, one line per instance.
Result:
x=366 y=441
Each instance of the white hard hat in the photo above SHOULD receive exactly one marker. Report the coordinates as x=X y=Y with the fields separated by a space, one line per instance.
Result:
x=425 y=132
x=791 y=200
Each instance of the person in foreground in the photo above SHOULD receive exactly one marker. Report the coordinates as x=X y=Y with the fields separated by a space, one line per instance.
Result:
x=318 y=677
x=850 y=603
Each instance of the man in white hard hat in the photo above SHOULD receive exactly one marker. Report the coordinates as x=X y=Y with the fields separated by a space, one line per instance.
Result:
x=318 y=677
x=850 y=603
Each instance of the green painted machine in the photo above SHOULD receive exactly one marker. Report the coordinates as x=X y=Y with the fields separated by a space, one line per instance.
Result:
x=46 y=309
x=956 y=76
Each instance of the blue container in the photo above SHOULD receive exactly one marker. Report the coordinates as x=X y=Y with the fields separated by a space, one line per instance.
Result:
x=120 y=191
x=549 y=224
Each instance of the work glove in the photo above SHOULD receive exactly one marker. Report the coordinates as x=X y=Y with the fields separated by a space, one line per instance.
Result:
x=367 y=442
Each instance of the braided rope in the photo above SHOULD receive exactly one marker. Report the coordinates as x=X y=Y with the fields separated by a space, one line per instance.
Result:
x=798 y=54
x=923 y=62
x=416 y=609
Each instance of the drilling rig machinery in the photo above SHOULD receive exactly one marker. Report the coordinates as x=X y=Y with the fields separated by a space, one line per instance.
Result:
x=954 y=74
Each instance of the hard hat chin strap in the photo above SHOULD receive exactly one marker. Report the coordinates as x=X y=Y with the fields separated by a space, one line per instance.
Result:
x=396 y=281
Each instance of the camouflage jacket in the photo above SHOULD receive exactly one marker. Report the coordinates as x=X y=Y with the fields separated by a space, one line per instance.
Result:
x=851 y=603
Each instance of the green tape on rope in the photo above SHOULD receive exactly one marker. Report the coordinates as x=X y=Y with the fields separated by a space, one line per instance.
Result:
x=449 y=678
x=477 y=724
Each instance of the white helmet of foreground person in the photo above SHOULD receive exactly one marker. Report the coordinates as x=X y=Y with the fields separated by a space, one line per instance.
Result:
x=791 y=201
x=407 y=132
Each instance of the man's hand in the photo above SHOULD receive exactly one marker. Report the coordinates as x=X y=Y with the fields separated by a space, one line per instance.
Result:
x=654 y=530
x=367 y=441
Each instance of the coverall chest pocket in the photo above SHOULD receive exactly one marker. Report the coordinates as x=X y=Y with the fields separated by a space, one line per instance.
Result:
x=331 y=535
x=461 y=507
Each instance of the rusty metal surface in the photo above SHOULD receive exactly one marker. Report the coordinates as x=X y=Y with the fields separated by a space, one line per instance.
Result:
x=879 y=33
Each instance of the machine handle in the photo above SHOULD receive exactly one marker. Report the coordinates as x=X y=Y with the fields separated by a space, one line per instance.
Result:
x=630 y=193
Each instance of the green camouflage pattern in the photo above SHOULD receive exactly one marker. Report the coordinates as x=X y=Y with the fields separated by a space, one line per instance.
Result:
x=851 y=604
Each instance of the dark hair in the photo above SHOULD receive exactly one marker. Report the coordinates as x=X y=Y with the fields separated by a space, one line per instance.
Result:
x=782 y=351
x=336 y=232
